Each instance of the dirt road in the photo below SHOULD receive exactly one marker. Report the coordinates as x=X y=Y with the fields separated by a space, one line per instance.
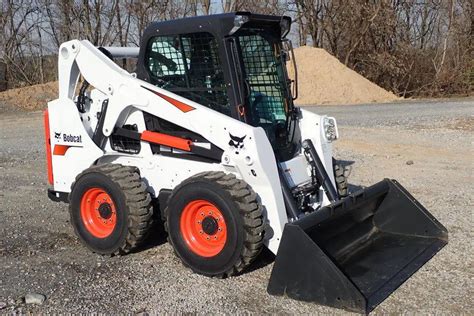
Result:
x=39 y=252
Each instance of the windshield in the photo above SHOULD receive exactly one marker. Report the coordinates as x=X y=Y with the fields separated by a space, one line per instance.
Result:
x=265 y=75
x=265 y=79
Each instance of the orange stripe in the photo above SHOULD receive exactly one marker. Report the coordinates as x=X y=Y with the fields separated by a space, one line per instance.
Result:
x=178 y=104
x=49 y=162
x=60 y=150
x=166 y=140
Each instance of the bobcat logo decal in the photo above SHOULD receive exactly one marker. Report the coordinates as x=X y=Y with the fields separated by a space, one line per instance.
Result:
x=237 y=142
x=57 y=135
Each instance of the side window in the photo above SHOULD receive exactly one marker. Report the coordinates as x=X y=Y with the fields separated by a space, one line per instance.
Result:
x=189 y=66
x=165 y=61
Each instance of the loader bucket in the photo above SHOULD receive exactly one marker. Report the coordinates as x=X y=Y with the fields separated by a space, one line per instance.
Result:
x=355 y=252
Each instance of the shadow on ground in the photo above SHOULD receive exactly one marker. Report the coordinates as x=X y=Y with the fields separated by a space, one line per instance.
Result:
x=157 y=236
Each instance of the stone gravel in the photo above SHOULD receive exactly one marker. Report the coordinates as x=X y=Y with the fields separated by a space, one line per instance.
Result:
x=39 y=252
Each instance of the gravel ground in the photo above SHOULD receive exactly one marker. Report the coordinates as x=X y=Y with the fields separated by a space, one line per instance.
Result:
x=39 y=252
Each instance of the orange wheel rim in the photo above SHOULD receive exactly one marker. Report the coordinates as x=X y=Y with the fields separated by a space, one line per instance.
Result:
x=203 y=228
x=98 y=212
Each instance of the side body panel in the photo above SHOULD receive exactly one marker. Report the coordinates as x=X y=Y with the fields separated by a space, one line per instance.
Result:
x=311 y=127
x=72 y=148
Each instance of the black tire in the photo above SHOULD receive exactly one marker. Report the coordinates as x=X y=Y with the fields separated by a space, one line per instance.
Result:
x=243 y=217
x=341 y=180
x=132 y=205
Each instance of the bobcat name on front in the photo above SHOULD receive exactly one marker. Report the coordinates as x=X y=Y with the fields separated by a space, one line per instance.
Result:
x=72 y=138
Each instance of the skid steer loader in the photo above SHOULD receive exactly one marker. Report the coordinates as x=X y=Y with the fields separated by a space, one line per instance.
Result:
x=206 y=134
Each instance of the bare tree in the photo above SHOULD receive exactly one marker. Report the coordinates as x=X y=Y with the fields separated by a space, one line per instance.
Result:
x=18 y=48
x=412 y=47
x=205 y=6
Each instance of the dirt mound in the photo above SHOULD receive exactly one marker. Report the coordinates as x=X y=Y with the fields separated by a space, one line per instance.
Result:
x=322 y=79
x=30 y=98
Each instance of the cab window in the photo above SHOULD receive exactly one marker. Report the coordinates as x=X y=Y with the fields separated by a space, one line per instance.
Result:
x=189 y=65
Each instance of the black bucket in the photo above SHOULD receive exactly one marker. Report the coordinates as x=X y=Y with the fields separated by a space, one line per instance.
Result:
x=355 y=252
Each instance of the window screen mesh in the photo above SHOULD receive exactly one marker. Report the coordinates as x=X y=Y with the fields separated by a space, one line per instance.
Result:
x=189 y=66
x=262 y=75
x=166 y=62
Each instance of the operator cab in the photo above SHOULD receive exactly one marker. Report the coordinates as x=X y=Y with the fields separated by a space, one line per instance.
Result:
x=233 y=63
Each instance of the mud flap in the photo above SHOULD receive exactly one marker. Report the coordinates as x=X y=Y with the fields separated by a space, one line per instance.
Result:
x=355 y=252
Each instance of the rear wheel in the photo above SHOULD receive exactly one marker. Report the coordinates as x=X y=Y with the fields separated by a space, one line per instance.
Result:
x=215 y=224
x=341 y=179
x=110 y=208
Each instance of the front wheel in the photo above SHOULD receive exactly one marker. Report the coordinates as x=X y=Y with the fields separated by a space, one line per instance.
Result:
x=215 y=224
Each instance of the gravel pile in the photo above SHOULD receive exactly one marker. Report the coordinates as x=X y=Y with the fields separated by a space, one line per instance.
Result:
x=30 y=98
x=322 y=79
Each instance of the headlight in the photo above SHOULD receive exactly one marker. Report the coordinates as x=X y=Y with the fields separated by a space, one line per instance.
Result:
x=330 y=129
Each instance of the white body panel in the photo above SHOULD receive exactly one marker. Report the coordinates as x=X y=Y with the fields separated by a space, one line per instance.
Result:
x=296 y=171
x=128 y=97
x=311 y=128
x=66 y=167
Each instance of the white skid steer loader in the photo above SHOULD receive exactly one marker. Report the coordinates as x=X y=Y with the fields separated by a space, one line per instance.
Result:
x=206 y=134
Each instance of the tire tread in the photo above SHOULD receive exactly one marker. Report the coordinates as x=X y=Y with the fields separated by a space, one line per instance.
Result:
x=250 y=210
x=137 y=199
x=341 y=180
